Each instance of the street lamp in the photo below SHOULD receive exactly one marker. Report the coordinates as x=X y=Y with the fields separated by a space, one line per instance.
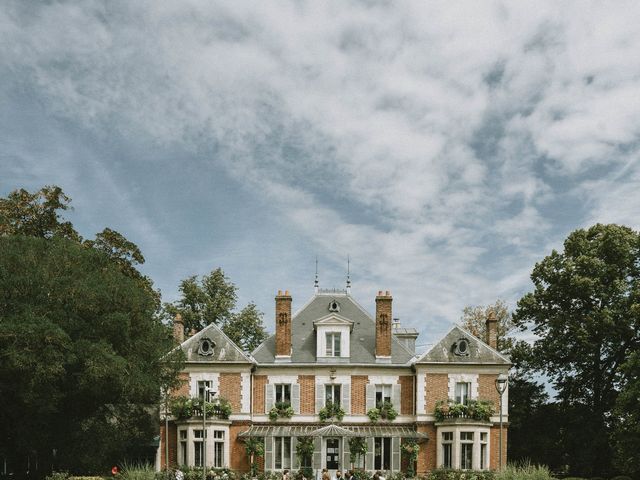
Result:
x=501 y=385
x=207 y=390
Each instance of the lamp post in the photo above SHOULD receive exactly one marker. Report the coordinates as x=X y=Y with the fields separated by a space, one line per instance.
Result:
x=166 y=430
x=501 y=386
x=206 y=391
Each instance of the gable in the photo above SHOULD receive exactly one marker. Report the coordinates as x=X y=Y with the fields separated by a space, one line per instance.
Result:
x=211 y=345
x=452 y=349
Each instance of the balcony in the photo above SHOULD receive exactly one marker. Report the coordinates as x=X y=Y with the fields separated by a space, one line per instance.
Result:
x=478 y=410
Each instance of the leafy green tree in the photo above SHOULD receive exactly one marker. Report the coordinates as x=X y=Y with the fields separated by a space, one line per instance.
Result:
x=206 y=301
x=626 y=435
x=585 y=313
x=474 y=319
x=82 y=355
x=246 y=328
x=213 y=299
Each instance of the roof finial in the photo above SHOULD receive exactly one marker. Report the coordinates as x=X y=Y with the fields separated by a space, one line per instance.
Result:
x=348 y=275
x=315 y=284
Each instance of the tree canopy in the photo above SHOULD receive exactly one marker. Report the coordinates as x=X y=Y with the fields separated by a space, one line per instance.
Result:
x=81 y=355
x=213 y=299
x=585 y=313
x=474 y=319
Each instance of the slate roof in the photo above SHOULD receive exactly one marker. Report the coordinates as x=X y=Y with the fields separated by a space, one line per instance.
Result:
x=303 y=338
x=225 y=350
x=479 y=352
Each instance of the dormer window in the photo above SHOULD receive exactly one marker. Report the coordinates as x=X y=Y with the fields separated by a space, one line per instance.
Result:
x=333 y=344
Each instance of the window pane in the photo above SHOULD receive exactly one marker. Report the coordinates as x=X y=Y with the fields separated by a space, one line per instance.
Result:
x=336 y=344
x=287 y=393
x=446 y=455
x=447 y=436
x=483 y=456
x=466 y=436
x=183 y=449
x=286 y=452
x=466 y=456
x=329 y=339
x=377 y=453
x=197 y=447
x=386 y=453
x=278 y=452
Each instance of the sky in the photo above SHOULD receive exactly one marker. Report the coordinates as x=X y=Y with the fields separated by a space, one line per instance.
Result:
x=445 y=147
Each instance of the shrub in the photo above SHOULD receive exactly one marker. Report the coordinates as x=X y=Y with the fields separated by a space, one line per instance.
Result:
x=361 y=475
x=448 y=474
x=58 y=476
x=524 y=471
x=475 y=409
x=331 y=410
x=281 y=409
x=621 y=477
x=137 y=471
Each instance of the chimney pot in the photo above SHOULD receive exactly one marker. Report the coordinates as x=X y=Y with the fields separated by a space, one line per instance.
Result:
x=379 y=293
x=286 y=292
x=279 y=292
x=388 y=293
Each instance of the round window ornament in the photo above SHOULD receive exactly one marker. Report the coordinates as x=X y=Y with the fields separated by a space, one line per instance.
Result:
x=205 y=347
x=461 y=348
x=334 y=306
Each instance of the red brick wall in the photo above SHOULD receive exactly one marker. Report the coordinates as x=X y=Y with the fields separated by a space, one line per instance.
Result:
x=283 y=324
x=495 y=441
x=231 y=389
x=359 y=394
x=238 y=456
x=183 y=389
x=173 y=444
x=487 y=389
x=427 y=454
x=307 y=394
x=406 y=394
x=437 y=388
x=259 y=381
x=383 y=328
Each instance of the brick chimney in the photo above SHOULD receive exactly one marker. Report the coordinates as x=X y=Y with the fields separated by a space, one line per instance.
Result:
x=492 y=330
x=178 y=328
x=384 y=320
x=283 y=325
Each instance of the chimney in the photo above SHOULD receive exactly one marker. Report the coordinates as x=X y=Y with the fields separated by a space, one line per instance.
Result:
x=383 y=326
x=178 y=328
x=283 y=325
x=492 y=330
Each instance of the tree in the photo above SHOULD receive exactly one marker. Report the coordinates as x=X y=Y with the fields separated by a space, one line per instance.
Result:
x=206 y=301
x=213 y=300
x=474 y=319
x=82 y=355
x=626 y=435
x=246 y=328
x=585 y=313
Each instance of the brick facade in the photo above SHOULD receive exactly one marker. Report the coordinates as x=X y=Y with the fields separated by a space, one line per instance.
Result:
x=384 y=319
x=283 y=324
x=259 y=381
x=427 y=456
x=231 y=389
x=238 y=459
x=173 y=445
x=359 y=394
x=495 y=441
x=307 y=394
x=436 y=388
x=183 y=389
x=487 y=389
x=406 y=394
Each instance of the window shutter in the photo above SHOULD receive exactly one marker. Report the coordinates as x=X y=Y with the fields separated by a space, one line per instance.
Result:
x=319 y=397
x=269 y=396
x=295 y=397
x=346 y=462
x=395 y=397
x=317 y=453
x=268 y=453
x=395 y=454
x=369 y=456
x=371 y=397
x=295 y=461
x=345 y=399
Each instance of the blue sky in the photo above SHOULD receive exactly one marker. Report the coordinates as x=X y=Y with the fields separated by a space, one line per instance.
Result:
x=445 y=147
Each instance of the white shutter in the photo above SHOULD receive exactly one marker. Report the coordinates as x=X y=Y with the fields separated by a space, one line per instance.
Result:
x=295 y=397
x=345 y=399
x=346 y=458
x=268 y=454
x=395 y=454
x=269 y=396
x=295 y=461
x=395 y=397
x=319 y=397
x=369 y=456
x=371 y=397
x=317 y=453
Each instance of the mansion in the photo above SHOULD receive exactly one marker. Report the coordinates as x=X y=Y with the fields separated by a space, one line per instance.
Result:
x=332 y=373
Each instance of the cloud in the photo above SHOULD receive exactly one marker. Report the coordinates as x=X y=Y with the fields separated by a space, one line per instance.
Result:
x=434 y=142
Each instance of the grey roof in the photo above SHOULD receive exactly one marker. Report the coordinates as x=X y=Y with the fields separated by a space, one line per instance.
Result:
x=479 y=352
x=303 y=338
x=224 y=350
x=405 y=331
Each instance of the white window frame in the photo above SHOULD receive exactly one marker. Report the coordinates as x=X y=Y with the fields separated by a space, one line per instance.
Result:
x=285 y=462
x=463 y=392
x=183 y=446
x=333 y=341
x=198 y=446
x=279 y=396
x=332 y=387
x=467 y=444
x=383 y=450
x=484 y=450
x=383 y=390
x=203 y=386
x=218 y=443
x=446 y=443
x=479 y=439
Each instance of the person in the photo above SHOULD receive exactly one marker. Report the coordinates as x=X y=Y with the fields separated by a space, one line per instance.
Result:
x=348 y=474
x=325 y=474
x=338 y=475
x=179 y=475
x=285 y=475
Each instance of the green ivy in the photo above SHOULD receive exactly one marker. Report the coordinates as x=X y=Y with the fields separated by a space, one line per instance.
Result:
x=410 y=449
x=357 y=448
